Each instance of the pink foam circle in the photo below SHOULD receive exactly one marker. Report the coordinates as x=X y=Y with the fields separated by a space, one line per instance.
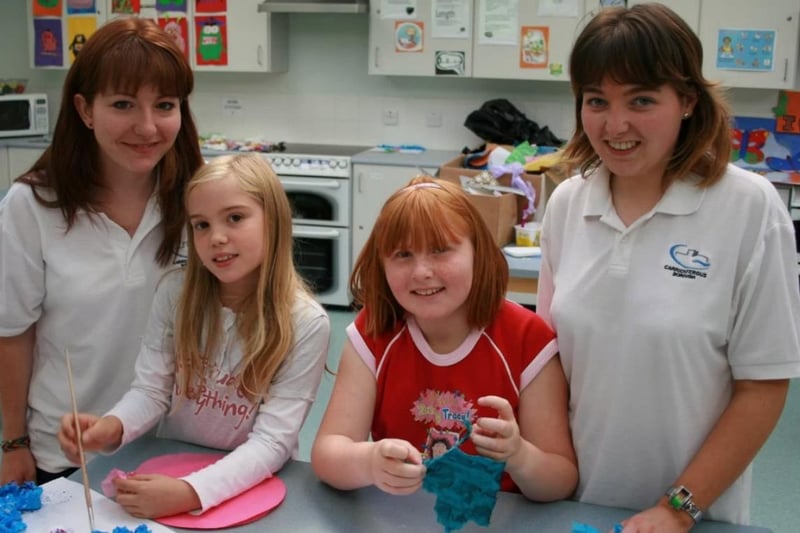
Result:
x=247 y=507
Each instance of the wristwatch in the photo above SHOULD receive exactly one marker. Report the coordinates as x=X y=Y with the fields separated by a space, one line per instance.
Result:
x=681 y=498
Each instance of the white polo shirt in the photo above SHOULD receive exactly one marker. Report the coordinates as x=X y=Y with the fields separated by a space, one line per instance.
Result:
x=656 y=320
x=88 y=290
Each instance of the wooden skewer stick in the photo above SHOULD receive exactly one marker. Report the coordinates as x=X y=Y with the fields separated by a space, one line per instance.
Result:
x=86 y=490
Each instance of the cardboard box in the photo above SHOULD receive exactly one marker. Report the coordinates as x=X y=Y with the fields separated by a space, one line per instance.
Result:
x=502 y=212
x=499 y=212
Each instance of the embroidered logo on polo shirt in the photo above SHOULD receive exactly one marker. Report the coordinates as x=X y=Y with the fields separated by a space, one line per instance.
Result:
x=688 y=262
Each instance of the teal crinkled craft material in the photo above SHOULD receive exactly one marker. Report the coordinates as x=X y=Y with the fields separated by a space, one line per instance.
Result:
x=465 y=486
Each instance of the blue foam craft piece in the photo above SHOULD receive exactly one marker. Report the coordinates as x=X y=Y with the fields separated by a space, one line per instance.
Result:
x=577 y=527
x=465 y=486
x=17 y=499
x=141 y=528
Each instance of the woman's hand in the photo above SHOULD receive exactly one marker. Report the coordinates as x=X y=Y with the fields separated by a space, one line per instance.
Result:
x=98 y=434
x=396 y=466
x=658 y=519
x=498 y=438
x=155 y=495
x=18 y=466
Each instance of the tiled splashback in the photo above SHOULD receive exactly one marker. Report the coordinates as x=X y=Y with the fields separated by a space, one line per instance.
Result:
x=345 y=119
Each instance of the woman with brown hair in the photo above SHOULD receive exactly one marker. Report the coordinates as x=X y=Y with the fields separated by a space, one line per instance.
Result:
x=670 y=279
x=86 y=234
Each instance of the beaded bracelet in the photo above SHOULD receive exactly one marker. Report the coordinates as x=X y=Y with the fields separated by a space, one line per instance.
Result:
x=16 y=444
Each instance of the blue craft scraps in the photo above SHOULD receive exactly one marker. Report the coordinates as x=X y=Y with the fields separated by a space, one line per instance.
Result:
x=577 y=527
x=465 y=486
x=141 y=528
x=16 y=499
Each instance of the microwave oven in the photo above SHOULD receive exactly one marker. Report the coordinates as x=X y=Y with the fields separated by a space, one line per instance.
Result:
x=23 y=115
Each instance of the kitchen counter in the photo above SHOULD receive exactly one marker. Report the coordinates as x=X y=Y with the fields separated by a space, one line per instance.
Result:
x=429 y=160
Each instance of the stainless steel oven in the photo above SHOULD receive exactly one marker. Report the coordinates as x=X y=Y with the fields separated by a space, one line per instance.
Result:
x=317 y=180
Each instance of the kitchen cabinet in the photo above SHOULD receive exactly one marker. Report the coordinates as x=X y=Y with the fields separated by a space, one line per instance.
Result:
x=406 y=46
x=487 y=44
x=541 y=46
x=256 y=41
x=689 y=10
x=763 y=50
x=372 y=186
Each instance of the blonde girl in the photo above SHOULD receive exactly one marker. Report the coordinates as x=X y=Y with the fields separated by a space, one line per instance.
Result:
x=234 y=349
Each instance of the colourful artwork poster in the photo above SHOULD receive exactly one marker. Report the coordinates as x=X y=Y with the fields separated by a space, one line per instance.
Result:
x=212 y=40
x=178 y=29
x=78 y=31
x=171 y=5
x=534 y=47
x=80 y=7
x=48 y=50
x=126 y=7
x=759 y=145
x=746 y=50
x=47 y=8
x=409 y=36
x=211 y=6
x=787 y=112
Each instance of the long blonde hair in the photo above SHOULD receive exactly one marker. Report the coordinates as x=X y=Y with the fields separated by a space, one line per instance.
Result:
x=264 y=319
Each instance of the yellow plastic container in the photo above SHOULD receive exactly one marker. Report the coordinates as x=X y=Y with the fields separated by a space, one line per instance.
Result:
x=529 y=234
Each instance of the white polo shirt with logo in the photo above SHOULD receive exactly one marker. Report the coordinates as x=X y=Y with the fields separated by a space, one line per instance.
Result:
x=656 y=320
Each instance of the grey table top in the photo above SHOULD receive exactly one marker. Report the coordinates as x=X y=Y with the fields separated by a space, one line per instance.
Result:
x=311 y=506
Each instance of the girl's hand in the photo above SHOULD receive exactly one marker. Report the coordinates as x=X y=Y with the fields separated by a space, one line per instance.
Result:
x=154 y=495
x=98 y=434
x=659 y=519
x=396 y=466
x=498 y=438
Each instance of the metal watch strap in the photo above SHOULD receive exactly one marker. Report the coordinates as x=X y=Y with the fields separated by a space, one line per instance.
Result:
x=682 y=499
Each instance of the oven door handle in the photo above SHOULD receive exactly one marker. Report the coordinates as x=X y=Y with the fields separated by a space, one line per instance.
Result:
x=316 y=233
x=311 y=184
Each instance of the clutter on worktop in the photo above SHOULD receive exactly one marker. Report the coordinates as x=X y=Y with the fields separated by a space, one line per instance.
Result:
x=220 y=143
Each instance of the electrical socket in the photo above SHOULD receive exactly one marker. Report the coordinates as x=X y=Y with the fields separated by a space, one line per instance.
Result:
x=433 y=119
x=391 y=117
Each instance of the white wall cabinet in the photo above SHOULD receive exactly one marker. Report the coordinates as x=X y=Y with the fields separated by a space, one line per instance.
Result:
x=405 y=46
x=524 y=58
x=689 y=10
x=499 y=54
x=372 y=186
x=756 y=23
x=256 y=41
x=412 y=45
